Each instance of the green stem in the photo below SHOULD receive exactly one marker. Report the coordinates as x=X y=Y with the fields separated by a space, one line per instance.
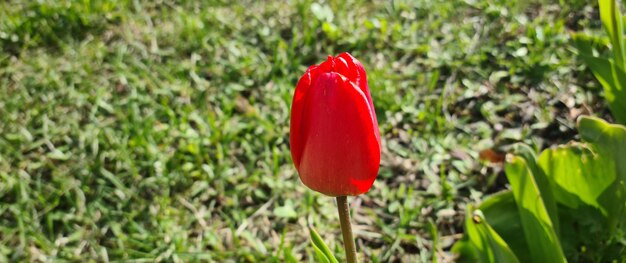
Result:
x=346 y=228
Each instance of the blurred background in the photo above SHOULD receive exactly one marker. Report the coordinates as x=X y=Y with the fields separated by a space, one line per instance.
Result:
x=158 y=130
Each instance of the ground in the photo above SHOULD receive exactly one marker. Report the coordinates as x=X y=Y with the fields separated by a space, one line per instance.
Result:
x=158 y=130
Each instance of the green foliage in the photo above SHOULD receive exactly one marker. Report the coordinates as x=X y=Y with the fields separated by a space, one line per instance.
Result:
x=158 y=130
x=55 y=23
x=588 y=185
x=321 y=250
x=538 y=229
x=610 y=72
x=481 y=242
x=501 y=213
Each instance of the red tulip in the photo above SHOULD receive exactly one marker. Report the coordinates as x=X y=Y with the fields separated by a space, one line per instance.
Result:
x=335 y=143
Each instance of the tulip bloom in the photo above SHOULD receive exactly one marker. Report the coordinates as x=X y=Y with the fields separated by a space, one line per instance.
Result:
x=334 y=137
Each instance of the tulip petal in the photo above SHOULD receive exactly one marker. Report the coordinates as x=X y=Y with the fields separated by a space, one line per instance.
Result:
x=360 y=79
x=346 y=69
x=295 y=141
x=341 y=151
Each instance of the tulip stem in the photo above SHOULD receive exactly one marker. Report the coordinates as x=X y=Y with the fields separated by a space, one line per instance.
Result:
x=346 y=228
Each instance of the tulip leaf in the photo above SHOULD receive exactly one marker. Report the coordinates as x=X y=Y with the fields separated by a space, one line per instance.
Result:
x=319 y=254
x=321 y=250
x=613 y=80
x=608 y=139
x=609 y=72
x=481 y=242
x=613 y=25
x=593 y=173
x=542 y=240
x=543 y=183
x=500 y=211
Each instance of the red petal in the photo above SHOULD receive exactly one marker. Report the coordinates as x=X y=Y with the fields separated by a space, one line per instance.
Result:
x=341 y=152
x=360 y=79
x=295 y=134
x=346 y=69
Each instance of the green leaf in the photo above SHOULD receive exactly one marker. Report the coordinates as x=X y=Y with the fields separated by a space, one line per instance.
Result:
x=500 y=211
x=616 y=94
x=609 y=141
x=465 y=250
x=580 y=175
x=610 y=73
x=321 y=250
x=286 y=211
x=601 y=68
x=538 y=228
x=58 y=155
x=321 y=257
x=322 y=12
x=588 y=44
x=583 y=43
x=482 y=243
x=434 y=233
x=594 y=173
x=543 y=183
x=613 y=24
x=611 y=77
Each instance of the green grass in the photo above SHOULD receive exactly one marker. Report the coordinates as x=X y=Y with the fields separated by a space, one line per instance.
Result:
x=133 y=130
